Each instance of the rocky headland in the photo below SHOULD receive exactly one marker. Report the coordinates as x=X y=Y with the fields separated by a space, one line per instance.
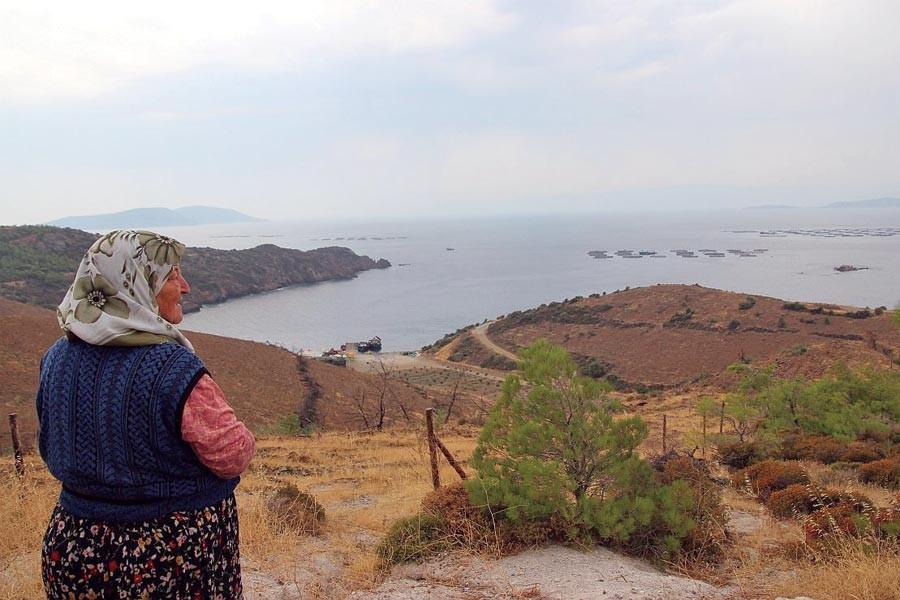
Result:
x=37 y=264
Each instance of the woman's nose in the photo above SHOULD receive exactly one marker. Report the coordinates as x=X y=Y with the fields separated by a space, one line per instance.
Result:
x=185 y=288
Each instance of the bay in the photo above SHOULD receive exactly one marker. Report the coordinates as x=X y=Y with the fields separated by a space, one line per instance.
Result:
x=448 y=273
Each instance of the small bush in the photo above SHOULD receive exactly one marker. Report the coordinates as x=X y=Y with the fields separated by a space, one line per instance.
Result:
x=832 y=523
x=824 y=449
x=766 y=477
x=414 y=538
x=469 y=526
x=797 y=350
x=861 y=453
x=296 y=510
x=708 y=537
x=795 y=306
x=740 y=455
x=792 y=500
x=804 y=499
x=747 y=303
x=885 y=472
x=733 y=324
x=886 y=521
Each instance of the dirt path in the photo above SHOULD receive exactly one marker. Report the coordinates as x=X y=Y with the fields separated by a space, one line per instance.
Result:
x=480 y=334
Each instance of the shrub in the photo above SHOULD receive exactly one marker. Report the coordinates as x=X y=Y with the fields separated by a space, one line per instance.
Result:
x=886 y=521
x=797 y=350
x=500 y=363
x=740 y=455
x=795 y=306
x=885 y=472
x=551 y=452
x=414 y=538
x=861 y=453
x=826 y=450
x=593 y=369
x=769 y=476
x=708 y=537
x=734 y=324
x=467 y=525
x=792 y=500
x=805 y=499
x=747 y=303
x=829 y=527
x=296 y=510
x=835 y=522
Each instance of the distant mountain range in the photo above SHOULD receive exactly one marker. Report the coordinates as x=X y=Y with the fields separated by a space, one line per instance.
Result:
x=155 y=217
x=885 y=202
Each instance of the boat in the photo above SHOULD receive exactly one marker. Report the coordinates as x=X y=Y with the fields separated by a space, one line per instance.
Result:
x=372 y=345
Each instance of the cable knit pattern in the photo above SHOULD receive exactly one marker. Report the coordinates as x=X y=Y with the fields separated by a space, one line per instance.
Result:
x=110 y=431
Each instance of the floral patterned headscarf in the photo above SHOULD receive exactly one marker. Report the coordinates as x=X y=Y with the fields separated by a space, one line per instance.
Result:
x=113 y=299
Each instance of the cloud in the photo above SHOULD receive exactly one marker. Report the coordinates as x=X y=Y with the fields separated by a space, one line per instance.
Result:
x=51 y=50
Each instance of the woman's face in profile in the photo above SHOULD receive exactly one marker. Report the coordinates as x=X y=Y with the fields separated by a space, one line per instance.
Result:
x=169 y=297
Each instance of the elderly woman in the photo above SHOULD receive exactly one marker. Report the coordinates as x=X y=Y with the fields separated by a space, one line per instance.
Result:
x=145 y=445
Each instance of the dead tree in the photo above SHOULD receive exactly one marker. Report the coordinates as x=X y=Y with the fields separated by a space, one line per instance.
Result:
x=453 y=395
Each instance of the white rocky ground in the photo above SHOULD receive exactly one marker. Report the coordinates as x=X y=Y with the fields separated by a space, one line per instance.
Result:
x=554 y=572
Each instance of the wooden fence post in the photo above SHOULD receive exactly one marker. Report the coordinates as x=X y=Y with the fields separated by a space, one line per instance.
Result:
x=722 y=419
x=17 y=448
x=664 y=434
x=432 y=448
x=704 y=435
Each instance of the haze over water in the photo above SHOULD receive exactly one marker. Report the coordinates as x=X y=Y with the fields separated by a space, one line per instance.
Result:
x=498 y=265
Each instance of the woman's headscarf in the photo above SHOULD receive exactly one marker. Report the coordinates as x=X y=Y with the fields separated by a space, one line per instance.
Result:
x=113 y=299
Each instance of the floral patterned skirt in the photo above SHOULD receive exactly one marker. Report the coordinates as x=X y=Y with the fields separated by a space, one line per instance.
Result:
x=192 y=555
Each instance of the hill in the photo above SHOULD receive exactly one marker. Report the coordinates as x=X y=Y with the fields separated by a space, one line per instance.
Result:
x=155 y=217
x=673 y=335
x=885 y=202
x=37 y=264
x=266 y=385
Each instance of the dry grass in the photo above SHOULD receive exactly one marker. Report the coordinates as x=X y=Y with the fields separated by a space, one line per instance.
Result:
x=26 y=505
x=367 y=481
x=364 y=481
x=856 y=572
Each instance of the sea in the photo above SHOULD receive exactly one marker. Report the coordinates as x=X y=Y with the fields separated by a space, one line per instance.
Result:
x=448 y=273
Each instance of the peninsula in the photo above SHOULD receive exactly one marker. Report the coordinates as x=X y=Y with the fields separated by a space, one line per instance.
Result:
x=37 y=264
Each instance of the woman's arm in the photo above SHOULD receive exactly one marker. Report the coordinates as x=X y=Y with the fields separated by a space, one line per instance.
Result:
x=219 y=440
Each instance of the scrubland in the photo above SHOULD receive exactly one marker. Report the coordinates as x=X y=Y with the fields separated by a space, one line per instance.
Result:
x=366 y=481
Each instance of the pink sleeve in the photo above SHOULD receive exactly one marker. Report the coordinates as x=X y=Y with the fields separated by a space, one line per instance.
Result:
x=219 y=440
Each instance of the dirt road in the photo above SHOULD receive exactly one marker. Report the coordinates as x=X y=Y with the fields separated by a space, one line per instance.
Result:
x=480 y=334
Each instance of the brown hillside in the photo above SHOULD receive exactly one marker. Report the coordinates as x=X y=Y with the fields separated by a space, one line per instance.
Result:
x=262 y=383
x=675 y=334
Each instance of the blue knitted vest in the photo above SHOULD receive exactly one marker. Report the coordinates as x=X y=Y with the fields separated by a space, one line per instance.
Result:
x=110 y=431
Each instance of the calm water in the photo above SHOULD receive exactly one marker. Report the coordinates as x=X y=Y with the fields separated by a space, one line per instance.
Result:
x=500 y=265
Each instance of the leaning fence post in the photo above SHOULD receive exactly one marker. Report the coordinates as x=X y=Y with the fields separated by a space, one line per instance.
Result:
x=664 y=434
x=450 y=459
x=17 y=448
x=432 y=448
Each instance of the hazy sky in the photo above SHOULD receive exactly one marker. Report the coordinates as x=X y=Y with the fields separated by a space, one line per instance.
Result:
x=429 y=107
